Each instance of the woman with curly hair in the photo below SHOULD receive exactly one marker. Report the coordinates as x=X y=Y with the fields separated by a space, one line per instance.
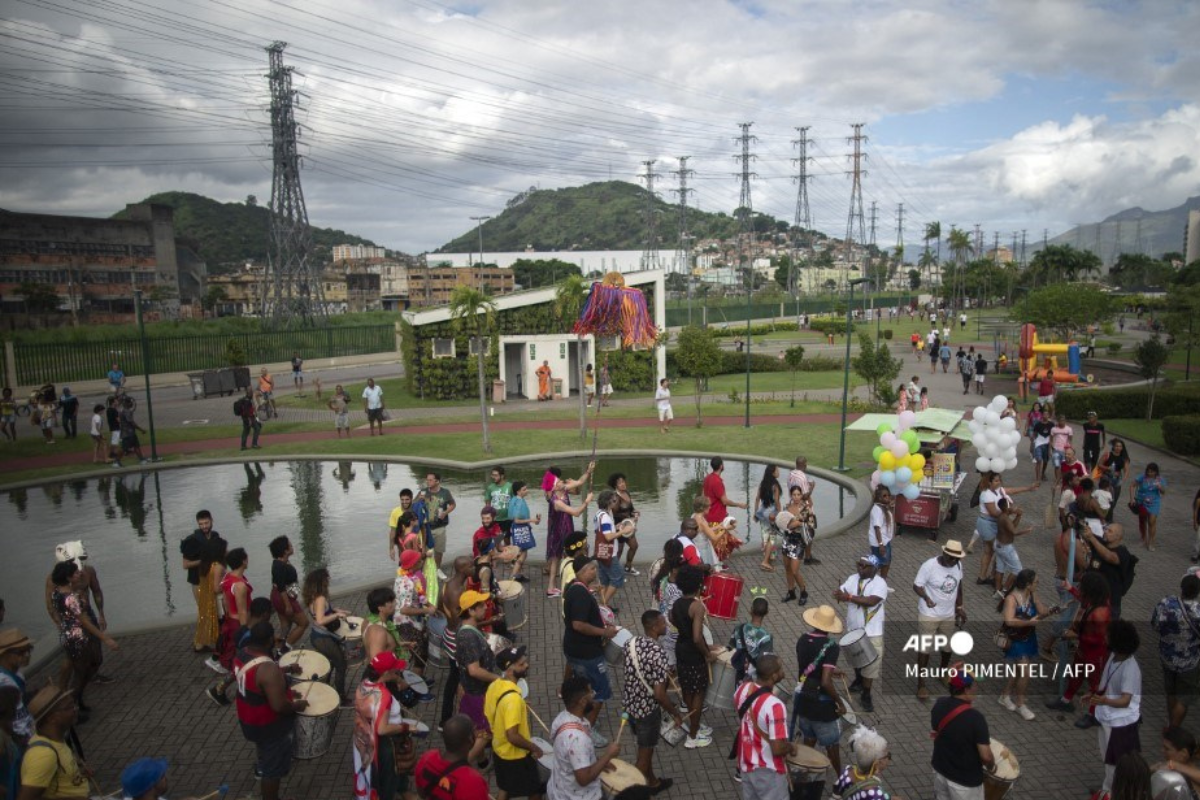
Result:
x=326 y=621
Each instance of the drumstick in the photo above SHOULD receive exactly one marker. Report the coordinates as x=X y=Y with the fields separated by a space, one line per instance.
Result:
x=539 y=719
x=620 y=730
x=311 y=682
x=846 y=689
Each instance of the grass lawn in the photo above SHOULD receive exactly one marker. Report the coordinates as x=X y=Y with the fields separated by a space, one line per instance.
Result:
x=394 y=394
x=819 y=442
x=1138 y=429
x=780 y=382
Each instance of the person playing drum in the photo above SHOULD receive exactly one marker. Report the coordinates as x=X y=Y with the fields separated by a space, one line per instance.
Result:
x=508 y=715
x=379 y=731
x=962 y=746
x=266 y=710
x=412 y=608
x=866 y=593
x=762 y=738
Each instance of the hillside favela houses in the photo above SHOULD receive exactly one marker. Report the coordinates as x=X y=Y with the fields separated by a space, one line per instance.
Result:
x=90 y=266
x=440 y=358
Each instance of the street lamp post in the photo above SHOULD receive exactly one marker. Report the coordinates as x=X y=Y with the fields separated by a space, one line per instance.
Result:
x=841 y=467
x=479 y=225
x=137 y=305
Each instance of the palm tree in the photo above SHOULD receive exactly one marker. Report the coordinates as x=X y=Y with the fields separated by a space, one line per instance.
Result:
x=960 y=245
x=933 y=232
x=474 y=311
x=569 y=298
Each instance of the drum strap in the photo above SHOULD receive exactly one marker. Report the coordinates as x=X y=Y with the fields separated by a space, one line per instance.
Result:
x=435 y=779
x=637 y=667
x=742 y=709
x=875 y=609
x=946 y=720
x=241 y=673
x=816 y=661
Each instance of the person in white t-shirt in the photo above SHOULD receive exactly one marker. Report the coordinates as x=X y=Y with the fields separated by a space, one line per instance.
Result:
x=372 y=396
x=866 y=593
x=882 y=529
x=97 y=434
x=1118 y=700
x=662 y=400
x=939 y=585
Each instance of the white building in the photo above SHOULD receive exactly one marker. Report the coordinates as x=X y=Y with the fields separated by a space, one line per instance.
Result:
x=353 y=252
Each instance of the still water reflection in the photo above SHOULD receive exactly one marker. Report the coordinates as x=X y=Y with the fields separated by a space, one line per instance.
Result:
x=335 y=512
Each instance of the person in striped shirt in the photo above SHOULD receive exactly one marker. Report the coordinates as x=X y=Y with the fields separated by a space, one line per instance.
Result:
x=762 y=741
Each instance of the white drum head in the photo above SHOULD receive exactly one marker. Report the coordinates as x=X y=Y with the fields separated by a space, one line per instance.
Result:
x=311 y=663
x=322 y=698
x=416 y=727
x=353 y=627
x=621 y=778
x=623 y=637
x=1007 y=767
x=852 y=637
x=523 y=687
x=510 y=589
x=415 y=682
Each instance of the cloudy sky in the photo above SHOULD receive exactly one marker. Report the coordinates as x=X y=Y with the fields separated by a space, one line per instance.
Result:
x=418 y=114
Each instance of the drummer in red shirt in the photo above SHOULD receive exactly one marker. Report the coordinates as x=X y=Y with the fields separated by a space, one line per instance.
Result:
x=689 y=529
x=714 y=490
x=447 y=774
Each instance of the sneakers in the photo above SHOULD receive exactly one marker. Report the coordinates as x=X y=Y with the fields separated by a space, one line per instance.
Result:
x=704 y=731
x=442 y=575
x=663 y=785
x=1025 y=713
x=599 y=740
x=998 y=595
x=553 y=593
x=116 y=465
x=866 y=704
x=103 y=679
x=1007 y=703
x=1086 y=721
x=1058 y=704
x=635 y=572
x=700 y=741
x=212 y=663
x=217 y=697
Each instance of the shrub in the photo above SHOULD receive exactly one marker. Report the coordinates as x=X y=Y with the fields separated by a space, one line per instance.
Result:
x=887 y=334
x=1182 y=433
x=1114 y=348
x=1126 y=404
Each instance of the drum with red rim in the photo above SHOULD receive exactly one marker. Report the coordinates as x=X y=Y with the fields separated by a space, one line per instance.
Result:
x=722 y=594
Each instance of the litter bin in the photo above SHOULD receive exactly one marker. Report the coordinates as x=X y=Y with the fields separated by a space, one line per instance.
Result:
x=241 y=377
x=556 y=387
x=497 y=391
x=228 y=386
x=212 y=382
x=197 y=379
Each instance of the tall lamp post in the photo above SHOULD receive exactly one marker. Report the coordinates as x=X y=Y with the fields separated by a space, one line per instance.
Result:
x=841 y=467
x=479 y=225
x=137 y=305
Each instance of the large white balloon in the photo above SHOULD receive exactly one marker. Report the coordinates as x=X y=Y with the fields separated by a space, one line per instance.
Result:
x=991 y=418
x=1011 y=463
x=1008 y=424
x=979 y=413
x=899 y=449
x=983 y=464
x=996 y=464
x=999 y=403
x=979 y=440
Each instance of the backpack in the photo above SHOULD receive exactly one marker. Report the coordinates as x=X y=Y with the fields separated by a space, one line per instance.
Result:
x=238 y=405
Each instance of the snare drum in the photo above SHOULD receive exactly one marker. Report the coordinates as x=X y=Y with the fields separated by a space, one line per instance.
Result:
x=857 y=649
x=313 y=666
x=436 y=628
x=415 y=682
x=621 y=778
x=512 y=602
x=724 y=682
x=352 y=640
x=546 y=762
x=722 y=594
x=315 y=724
x=614 y=648
x=998 y=784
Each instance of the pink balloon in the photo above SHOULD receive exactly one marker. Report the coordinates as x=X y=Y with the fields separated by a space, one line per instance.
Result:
x=899 y=449
x=887 y=440
x=907 y=418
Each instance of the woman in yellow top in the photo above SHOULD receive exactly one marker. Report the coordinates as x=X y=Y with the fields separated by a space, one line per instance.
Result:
x=589 y=384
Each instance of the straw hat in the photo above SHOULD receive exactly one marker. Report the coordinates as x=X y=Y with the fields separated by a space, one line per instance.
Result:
x=954 y=549
x=13 y=639
x=823 y=618
x=45 y=700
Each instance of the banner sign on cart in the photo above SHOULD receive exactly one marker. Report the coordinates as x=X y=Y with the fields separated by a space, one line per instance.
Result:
x=943 y=471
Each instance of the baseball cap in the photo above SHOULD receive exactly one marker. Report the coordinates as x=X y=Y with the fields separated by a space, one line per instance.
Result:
x=509 y=656
x=470 y=599
x=142 y=775
x=387 y=660
x=869 y=558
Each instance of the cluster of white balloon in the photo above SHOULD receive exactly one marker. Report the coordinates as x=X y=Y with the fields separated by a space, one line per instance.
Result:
x=995 y=437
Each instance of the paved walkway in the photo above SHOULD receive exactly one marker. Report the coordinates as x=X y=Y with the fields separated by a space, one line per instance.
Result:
x=156 y=706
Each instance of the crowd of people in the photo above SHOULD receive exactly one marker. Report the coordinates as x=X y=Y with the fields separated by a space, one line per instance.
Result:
x=426 y=617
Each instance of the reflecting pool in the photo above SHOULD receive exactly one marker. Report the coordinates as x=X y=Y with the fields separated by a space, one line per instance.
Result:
x=335 y=512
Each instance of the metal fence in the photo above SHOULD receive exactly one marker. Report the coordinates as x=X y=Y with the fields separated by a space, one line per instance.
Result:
x=59 y=363
x=713 y=313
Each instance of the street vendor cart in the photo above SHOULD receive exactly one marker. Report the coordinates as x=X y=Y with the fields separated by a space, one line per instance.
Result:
x=941 y=433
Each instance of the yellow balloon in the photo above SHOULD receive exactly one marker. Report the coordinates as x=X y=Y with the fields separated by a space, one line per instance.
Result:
x=916 y=462
x=904 y=462
x=887 y=461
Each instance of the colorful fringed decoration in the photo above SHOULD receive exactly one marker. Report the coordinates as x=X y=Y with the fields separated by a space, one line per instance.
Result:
x=612 y=309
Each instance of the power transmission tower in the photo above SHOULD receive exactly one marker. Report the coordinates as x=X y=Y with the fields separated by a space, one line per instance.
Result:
x=291 y=289
x=856 y=200
x=900 y=243
x=977 y=242
x=683 y=173
x=1023 y=261
x=803 y=218
x=650 y=250
x=745 y=201
x=996 y=248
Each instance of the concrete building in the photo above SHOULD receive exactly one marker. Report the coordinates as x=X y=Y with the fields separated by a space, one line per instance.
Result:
x=355 y=252
x=1192 y=238
x=242 y=290
x=95 y=264
x=432 y=285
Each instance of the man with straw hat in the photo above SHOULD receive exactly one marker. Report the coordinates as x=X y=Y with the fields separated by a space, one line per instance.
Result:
x=15 y=651
x=939 y=585
x=817 y=706
x=50 y=770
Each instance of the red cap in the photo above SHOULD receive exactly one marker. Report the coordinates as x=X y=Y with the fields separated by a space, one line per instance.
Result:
x=386 y=661
x=409 y=559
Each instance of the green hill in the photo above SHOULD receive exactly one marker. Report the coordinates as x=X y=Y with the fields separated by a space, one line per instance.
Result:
x=226 y=235
x=597 y=216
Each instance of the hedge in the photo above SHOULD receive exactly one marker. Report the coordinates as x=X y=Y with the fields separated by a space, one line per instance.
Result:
x=1182 y=433
x=732 y=363
x=1125 y=404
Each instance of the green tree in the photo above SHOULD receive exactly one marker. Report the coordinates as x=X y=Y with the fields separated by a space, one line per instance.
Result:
x=914 y=279
x=1063 y=308
x=1061 y=262
x=1137 y=271
x=213 y=297
x=40 y=298
x=698 y=356
x=1189 y=275
x=1183 y=307
x=1150 y=356
x=569 y=298
x=532 y=273
x=794 y=357
x=875 y=365
x=475 y=312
